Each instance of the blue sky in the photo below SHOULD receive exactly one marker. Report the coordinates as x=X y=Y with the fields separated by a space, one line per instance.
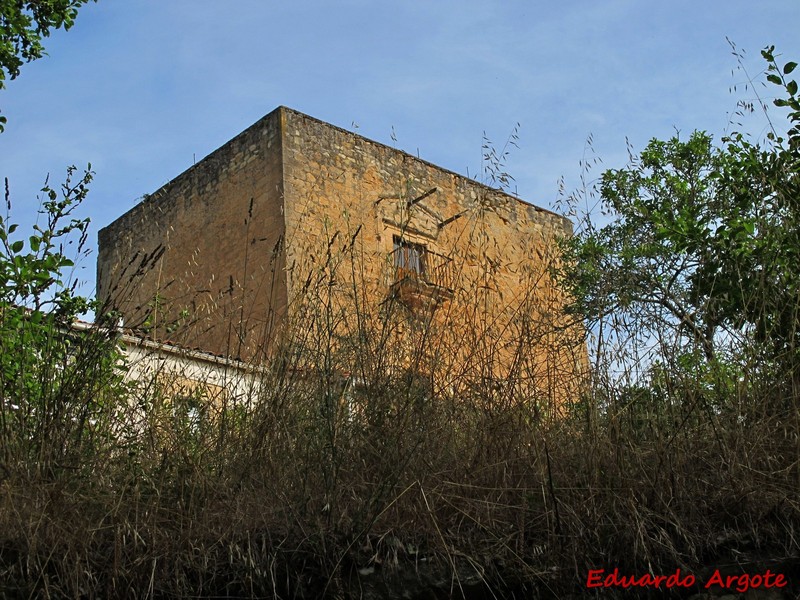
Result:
x=142 y=88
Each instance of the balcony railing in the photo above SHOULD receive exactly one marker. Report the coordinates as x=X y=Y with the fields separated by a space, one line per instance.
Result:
x=414 y=263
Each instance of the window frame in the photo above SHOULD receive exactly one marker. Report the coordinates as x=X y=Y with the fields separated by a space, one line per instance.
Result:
x=409 y=258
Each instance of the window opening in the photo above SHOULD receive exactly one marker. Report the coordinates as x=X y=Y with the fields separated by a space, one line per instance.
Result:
x=409 y=258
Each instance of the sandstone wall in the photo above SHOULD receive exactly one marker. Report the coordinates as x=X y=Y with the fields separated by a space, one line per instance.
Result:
x=348 y=199
x=294 y=223
x=199 y=260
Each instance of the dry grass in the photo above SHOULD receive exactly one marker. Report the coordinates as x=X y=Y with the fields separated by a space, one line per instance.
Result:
x=346 y=470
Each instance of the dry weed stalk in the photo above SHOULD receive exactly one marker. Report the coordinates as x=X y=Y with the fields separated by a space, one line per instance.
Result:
x=380 y=443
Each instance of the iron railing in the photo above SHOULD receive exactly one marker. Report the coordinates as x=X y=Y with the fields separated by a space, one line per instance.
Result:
x=417 y=263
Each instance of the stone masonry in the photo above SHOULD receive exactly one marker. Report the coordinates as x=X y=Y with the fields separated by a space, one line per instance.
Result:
x=296 y=224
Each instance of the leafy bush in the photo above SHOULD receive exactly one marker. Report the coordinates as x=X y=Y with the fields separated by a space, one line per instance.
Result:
x=56 y=380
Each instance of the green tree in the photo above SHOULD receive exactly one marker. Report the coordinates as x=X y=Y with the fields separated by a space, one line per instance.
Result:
x=23 y=25
x=703 y=242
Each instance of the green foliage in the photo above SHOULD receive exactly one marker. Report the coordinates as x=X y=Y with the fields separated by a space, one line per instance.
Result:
x=36 y=278
x=23 y=25
x=703 y=242
x=56 y=381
